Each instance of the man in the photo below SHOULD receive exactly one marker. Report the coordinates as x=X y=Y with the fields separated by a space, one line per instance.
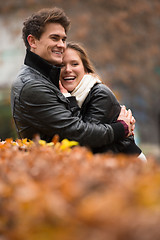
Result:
x=38 y=106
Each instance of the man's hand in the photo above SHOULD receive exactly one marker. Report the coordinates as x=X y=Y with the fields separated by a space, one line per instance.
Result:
x=127 y=117
x=133 y=121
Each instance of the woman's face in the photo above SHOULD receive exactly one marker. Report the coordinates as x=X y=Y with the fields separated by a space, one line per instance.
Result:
x=72 y=71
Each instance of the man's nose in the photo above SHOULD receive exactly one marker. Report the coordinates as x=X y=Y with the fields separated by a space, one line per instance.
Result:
x=61 y=43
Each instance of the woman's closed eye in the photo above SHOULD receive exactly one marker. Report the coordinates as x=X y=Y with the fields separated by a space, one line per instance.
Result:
x=75 y=64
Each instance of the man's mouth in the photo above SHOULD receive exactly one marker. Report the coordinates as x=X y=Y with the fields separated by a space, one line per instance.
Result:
x=57 y=52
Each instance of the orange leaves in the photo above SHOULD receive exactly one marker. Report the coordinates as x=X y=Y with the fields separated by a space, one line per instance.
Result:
x=26 y=144
x=65 y=193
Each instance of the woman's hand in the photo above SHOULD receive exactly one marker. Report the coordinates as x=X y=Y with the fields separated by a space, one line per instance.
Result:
x=126 y=116
x=62 y=89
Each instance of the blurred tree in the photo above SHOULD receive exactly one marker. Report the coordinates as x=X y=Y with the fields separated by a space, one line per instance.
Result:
x=122 y=38
x=7 y=128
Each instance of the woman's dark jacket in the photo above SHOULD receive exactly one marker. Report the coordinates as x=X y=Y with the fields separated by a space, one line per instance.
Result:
x=38 y=107
x=101 y=106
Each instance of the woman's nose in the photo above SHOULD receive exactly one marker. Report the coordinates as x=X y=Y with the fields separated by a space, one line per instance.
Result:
x=68 y=68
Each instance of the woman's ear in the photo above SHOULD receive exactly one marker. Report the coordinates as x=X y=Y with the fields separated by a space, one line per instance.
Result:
x=32 y=41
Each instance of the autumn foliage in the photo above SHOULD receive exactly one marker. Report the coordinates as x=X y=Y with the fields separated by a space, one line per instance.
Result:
x=56 y=191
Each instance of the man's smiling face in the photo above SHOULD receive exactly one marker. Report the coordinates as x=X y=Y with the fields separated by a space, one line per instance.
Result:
x=51 y=44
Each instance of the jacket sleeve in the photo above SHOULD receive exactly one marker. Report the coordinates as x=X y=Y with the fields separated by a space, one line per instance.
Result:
x=75 y=109
x=42 y=109
x=101 y=106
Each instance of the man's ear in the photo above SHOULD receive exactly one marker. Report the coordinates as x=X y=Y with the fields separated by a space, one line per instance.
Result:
x=32 y=41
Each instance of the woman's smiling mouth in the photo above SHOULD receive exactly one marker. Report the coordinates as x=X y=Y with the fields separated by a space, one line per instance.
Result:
x=69 y=78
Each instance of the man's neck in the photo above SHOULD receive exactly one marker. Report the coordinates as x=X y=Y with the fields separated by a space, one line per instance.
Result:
x=41 y=65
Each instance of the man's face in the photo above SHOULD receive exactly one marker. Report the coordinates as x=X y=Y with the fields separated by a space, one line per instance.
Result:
x=52 y=44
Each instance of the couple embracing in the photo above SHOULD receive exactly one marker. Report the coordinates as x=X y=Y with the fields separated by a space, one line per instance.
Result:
x=58 y=92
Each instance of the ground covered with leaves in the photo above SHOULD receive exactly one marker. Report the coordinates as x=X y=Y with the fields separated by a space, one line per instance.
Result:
x=56 y=191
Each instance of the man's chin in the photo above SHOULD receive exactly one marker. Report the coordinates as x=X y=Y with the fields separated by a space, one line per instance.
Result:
x=56 y=62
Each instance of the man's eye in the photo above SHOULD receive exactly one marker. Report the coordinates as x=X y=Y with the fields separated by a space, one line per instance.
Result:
x=64 y=40
x=54 y=38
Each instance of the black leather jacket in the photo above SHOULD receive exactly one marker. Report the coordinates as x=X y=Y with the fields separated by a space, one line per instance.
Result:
x=101 y=106
x=38 y=106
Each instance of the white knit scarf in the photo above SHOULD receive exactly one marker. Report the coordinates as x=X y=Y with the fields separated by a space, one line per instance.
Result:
x=84 y=87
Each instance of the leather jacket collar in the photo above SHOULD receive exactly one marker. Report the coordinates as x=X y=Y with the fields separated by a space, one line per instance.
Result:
x=48 y=70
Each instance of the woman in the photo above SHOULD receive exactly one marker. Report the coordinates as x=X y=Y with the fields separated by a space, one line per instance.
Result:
x=96 y=101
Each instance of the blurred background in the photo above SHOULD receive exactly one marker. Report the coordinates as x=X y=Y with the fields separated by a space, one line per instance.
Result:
x=123 y=41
